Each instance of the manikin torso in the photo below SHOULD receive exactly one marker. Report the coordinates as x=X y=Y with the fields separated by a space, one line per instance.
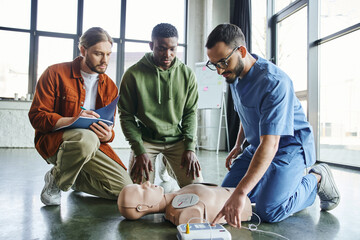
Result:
x=211 y=200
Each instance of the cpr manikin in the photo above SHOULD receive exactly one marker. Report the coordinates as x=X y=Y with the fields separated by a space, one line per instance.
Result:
x=194 y=201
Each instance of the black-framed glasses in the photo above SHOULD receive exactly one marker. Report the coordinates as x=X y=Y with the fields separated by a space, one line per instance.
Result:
x=222 y=64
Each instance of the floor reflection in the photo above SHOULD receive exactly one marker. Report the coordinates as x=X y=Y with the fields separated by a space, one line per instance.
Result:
x=82 y=216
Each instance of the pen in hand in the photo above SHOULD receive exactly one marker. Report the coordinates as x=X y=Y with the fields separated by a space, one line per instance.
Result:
x=91 y=111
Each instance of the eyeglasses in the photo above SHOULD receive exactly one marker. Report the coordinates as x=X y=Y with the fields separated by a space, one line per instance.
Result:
x=222 y=64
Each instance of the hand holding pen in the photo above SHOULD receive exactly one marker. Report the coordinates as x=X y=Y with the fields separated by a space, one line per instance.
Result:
x=88 y=113
x=65 y=121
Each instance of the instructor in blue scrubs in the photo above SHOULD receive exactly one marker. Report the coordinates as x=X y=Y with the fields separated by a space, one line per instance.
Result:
x=271 y=170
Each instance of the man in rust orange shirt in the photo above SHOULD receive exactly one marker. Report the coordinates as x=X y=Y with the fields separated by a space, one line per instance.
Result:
x=82 y=158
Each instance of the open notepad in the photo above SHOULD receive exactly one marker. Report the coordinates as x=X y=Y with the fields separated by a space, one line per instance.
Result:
x=106 y=115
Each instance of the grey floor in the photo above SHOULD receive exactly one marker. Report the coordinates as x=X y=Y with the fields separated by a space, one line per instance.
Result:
x=81 y=216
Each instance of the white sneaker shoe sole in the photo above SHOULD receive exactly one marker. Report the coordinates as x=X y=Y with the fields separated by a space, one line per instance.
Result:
x=333 y=199
x=47 y=198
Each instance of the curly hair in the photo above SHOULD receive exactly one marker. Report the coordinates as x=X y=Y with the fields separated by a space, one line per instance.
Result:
x=164 y=30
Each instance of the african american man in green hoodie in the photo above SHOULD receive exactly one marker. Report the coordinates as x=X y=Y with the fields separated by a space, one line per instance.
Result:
x=157 y=107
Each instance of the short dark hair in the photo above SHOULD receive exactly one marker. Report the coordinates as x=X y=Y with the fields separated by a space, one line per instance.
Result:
x=164 y=30
x=228 y=33
x=93 y=36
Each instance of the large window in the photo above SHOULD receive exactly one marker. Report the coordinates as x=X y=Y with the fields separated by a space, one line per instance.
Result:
x=337 y=15
x=316 y=43
x=58 y=55
x=143 y=15
x=43 y=32
x=340 y=100
x=292 y=48
x=280 y=4
x=291 y=44
x=258 y=27
x=339 y=85
x=100 y=15
x=57 y=16
x=19 y=20
x=14 y=63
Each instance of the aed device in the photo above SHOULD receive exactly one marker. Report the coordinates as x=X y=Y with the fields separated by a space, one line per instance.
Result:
x=202 y=231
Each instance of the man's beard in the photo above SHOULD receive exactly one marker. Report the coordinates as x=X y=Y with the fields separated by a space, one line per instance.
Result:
x=237 y=70
x=92 y=67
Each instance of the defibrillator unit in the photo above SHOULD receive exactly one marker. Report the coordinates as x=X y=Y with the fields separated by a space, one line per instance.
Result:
x=202 y=231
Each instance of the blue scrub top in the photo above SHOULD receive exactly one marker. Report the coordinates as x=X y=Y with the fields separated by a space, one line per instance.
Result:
x=267 y=105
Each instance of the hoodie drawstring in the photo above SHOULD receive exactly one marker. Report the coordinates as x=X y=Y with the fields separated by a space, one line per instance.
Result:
x=148 y=61
x=158 y=85
x=170 y=86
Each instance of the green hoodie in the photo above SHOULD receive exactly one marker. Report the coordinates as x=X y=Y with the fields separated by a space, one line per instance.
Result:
x=158 y=106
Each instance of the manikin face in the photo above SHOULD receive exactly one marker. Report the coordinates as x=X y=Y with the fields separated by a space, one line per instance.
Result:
x=144 y=194
x=235 y=62
x=164 y=50
x=96 y=57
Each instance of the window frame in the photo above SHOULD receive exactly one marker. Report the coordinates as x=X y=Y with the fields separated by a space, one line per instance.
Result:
x=120 y=55
x=312 y=94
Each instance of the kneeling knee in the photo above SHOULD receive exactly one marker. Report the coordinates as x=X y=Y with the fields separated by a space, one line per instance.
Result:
x=88 y=142
x=268 y=218
x=271 y=215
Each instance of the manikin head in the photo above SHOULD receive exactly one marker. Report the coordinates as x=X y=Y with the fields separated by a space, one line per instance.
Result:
x=137 y=200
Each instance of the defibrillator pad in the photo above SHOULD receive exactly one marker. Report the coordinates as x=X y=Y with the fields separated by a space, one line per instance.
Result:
x=185 y=200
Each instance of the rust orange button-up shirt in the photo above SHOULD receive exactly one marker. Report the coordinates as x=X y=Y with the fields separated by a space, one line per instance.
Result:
x=59 y=93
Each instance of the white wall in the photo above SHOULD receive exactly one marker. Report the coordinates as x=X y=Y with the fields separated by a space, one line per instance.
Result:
x=204 y=16
x=17 y=132
x=15 y=128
